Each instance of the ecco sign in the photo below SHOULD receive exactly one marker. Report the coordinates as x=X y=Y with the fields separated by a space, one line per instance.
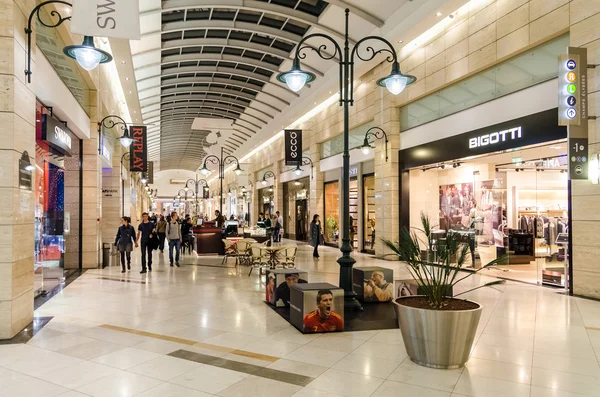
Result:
x=495 y=137
x=293 y=147
x=56 y=134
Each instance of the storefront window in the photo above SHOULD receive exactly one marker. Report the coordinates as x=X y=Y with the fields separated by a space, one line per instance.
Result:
x=353 y=221
x=511 y=205
x=296 y=209
x=332 y=207
x=369 y=237
x=51 y=221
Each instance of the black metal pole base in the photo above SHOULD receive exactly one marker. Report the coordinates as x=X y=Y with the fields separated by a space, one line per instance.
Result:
x=346 y=262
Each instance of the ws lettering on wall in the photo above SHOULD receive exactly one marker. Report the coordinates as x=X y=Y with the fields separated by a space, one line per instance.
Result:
x=106 y=18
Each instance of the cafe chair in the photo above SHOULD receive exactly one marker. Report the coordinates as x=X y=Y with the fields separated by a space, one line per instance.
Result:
x=290 y=257
x=229 y=251
x=257 y=258
x=242 y=252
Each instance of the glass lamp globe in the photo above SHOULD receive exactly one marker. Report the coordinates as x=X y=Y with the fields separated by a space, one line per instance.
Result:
x=86 y=54
x=396 y=81
x=264 y=182
x=204 y=171
x=298 y=171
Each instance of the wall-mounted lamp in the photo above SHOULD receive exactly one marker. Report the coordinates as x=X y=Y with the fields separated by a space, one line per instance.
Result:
x=27 y=166
x=375 y=133
x=125 y=139
x=305 y=161
x=86 y=54
x=268 y=174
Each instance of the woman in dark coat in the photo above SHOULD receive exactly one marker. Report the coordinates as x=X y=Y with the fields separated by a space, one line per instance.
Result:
x=316 y=233
x=124 y=242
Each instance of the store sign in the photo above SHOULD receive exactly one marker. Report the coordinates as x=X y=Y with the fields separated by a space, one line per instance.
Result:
x=138 y=152
x=301 y=194
x=109 y=192
x=106 y=18
x=293 y=147
x=573 y=108
x=150 y=173
x=572 y=87
x=353 y=171
x=529 y=130
x=24 y=175
x=495 y=137
x=56 y=134
x=578 y=158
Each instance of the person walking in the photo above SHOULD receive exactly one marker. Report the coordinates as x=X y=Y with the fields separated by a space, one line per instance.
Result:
x=124 y=242
x=144 y=234
x=175 y=238
x=277 y=227
x=316 y=234
x=161 y=229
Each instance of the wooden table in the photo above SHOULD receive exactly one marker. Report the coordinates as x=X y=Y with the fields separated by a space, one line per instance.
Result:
x=273 y=254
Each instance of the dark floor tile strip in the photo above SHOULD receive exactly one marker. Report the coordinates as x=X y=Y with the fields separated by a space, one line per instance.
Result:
x=29 y=332
x=251 y=369
x=122 y=280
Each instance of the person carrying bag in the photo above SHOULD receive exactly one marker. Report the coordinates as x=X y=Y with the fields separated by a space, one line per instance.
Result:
x=124 y=242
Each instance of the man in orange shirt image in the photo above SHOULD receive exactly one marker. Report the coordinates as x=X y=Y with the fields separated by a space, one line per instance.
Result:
x=323 y=319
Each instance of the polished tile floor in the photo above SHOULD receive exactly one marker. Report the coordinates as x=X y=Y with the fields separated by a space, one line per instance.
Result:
x=203 y=330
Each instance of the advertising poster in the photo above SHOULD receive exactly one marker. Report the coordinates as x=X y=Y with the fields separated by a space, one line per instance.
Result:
x=324 y=310
x=456 y=202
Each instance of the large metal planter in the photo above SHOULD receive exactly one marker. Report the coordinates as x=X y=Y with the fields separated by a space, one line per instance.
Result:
x=435 y=338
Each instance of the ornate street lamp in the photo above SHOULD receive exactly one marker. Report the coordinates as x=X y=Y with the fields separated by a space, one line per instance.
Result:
x=222 y=162
x=305 y=161
x=86 y=54
x=125 y=139
x=375 y=133
x=268 y=174
x=395 y=82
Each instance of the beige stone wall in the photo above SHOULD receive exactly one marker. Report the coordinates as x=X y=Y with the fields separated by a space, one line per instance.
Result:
x=17 y=129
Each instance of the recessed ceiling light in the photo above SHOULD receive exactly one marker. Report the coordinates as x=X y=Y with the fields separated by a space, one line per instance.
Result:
x=123 y=62
x=130 y=92
x=400 y=41
x=439 y=14
x=127 y=78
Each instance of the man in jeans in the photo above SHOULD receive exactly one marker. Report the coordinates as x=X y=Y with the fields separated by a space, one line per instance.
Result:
x=174 y=237
x=277 y=228
x=145 y=229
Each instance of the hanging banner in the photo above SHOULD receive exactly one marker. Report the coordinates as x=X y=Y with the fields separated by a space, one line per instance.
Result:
x=293 y=147
x=138 y=154
x=150 y=173
x=106 y=18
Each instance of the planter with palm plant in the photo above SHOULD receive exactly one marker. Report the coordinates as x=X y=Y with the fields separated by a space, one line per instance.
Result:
x=438 y=328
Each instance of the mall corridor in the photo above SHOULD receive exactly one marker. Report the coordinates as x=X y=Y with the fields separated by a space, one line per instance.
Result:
x=204 y=330
x=372 y=198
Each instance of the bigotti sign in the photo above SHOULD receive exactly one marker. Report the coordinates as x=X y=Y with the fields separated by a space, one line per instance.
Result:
x=495 y=137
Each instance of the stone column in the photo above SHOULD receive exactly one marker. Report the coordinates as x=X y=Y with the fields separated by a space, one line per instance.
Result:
x=17 y=129
x=387 y=214
x=256 y=206
x=316 y=184
x=585 y=32
x=111 y=196
x=277 y=188
x=92 y=191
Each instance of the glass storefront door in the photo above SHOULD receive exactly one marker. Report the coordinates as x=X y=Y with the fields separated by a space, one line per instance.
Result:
x=369 y=237
x=332 y=213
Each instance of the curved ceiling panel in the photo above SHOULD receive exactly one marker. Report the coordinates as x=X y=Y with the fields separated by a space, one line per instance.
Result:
x=212 y=58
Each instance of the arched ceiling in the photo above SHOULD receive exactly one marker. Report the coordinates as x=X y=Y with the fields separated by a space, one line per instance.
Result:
x=219 y=59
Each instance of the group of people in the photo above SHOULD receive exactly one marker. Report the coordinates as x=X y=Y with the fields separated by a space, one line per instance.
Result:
x=152 y=235
x=275 y=224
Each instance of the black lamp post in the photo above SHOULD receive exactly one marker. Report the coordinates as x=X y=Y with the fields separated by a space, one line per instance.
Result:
x=125 y=139
x=305 y=161
x=375 y=133
x=86 y=54
x=196 y=183
x=296 y=78
x=222 y=162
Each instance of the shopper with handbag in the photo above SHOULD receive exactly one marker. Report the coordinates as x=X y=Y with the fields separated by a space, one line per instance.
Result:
x=124 y=242
x=316 y=234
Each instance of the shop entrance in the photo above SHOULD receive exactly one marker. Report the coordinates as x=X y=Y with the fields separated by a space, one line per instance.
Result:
x=302 y=221
x=512 y=204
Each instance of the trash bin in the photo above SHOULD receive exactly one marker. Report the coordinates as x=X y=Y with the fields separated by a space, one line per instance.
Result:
x=106 y=260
